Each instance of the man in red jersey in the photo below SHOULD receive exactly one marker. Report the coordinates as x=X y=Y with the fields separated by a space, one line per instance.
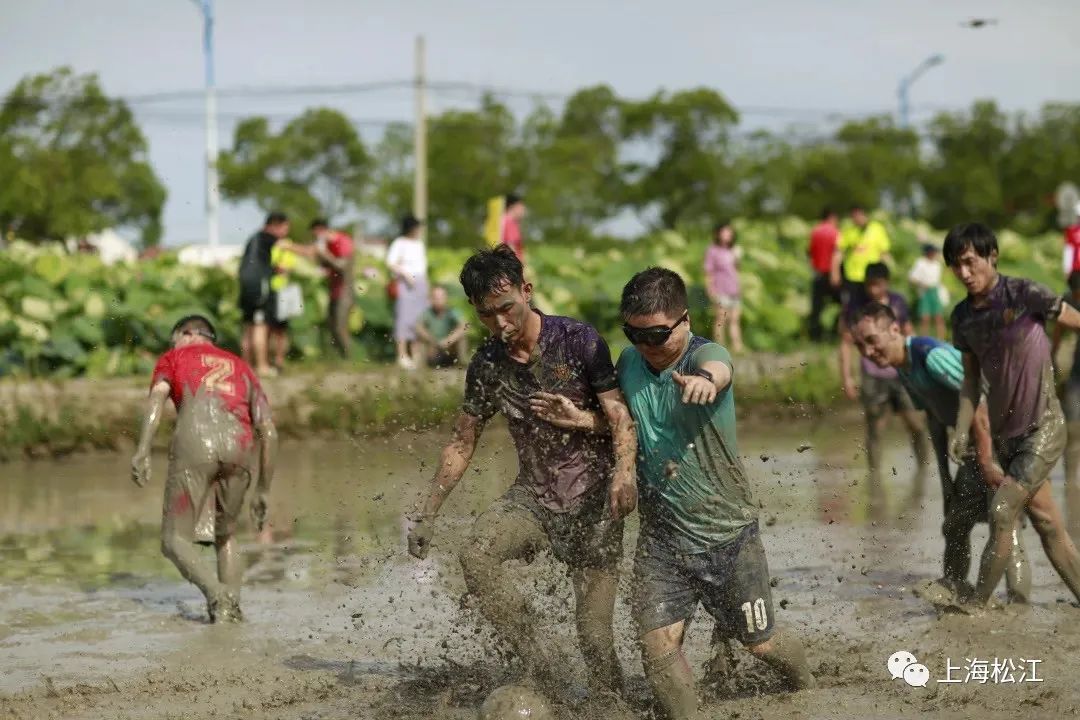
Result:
x=1072 y=245
x=334 y=251
x=223 y=434
x=821 y=249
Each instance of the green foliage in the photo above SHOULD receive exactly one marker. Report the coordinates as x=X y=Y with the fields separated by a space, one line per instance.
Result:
x=73 y=161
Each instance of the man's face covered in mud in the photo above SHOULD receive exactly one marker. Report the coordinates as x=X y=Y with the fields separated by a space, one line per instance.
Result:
x=505 y=311
x=191 y=333
x=880 y=341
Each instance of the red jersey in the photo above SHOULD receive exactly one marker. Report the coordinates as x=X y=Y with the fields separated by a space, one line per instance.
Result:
x=1072 y=240
x=217 y=371
x=822 y=246
x=339 y=245
x=511 y=235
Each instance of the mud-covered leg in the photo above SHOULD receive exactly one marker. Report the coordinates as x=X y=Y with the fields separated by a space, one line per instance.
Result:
x=505 y=532
x=594 y=594
x=1005 y=509
x=668 y=672
x=957 y=531
x=1059 y=547
x=721 y=664
x=784 y=651
x=178 y=531
x=1072 y=477
x=875 y=425
x=1018 y=571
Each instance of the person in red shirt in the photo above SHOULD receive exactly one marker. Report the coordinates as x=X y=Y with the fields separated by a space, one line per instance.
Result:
x=513 y=214
x=822 y=246
x=334 y=251
x=1072 y=245
x=223 y=434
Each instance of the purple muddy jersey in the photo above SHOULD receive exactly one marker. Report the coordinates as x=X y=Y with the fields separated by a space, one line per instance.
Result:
x=1007 y=336
x=560 y=466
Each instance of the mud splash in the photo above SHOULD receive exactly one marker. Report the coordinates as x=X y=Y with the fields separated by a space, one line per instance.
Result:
x=341 y=623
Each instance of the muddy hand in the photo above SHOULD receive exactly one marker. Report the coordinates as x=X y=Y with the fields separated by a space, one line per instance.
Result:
x=140 y=470
x=420 y=535
x=696 y=390
x=558 y=410
x=258 y=511
x=959 y=447
x=622 y=498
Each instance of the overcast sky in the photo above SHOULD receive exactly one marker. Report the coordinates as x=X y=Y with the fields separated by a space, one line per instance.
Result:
x=838 y=55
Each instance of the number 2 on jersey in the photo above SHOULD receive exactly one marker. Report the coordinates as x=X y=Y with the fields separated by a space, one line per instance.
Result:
x=220 y=369
x=755 y=615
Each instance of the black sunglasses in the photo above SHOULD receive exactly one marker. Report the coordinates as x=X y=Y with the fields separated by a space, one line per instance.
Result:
x=655 y=335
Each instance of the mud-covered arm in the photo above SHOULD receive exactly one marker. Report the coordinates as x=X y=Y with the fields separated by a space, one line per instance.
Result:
x=622 y=497
x=844 y=359
x=984 y=445
x=969 y=400
x=453 y=463
x=155 y=408
x=267 y=439
x=1069 y=317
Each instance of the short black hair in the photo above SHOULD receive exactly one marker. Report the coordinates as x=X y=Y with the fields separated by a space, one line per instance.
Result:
x=199 y=321
x=827 y=212
x=1074 y=280
x=488 y=270
x=877 y=271
x=974 y=235
x=318 y=223
x=655 y=290
x=512 y=199
x=409 y=223
x=276 y=218
x=874 y=311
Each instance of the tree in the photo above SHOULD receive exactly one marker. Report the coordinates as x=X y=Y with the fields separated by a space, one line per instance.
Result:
x=73 y=161
x=316 y=166
x=691 y=179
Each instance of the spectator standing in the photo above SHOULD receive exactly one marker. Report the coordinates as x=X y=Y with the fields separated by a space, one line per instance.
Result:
x=722 y=278
x=256 y=270
x=406 y=259
x=441 y=331
x=925 y=276
x=823 y=240
x=862 y=243
x=1072 y=245
x=283 y=260
x=513 y=214
x=335 y=252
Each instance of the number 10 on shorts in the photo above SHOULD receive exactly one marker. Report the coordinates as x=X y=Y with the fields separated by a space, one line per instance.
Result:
x=755 y=615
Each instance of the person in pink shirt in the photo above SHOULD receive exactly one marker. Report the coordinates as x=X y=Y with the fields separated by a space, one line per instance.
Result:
x=722 y=285
x=513 y=214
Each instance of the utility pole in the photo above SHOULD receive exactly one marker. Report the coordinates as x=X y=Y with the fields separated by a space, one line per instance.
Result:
x=906 y=82
x=212 y=189
x=420 y=137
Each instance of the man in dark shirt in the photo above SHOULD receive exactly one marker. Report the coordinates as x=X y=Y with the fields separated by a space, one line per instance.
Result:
x=573 y=486
x=999 y=329
x=880 y=390
x=256 y=303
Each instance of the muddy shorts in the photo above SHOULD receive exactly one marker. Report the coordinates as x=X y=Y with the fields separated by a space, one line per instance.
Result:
x=877 y=394
x=585 y=537
x=1030 y=457
x=730 y=580
x=204 y=502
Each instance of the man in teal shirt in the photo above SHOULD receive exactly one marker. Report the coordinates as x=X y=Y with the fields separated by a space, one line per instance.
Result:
x=699 y=539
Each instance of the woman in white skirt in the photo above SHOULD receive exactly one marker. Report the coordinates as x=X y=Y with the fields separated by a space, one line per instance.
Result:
x=406 y=259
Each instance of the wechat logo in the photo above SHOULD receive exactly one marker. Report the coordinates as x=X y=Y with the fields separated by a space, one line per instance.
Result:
x=902 y=665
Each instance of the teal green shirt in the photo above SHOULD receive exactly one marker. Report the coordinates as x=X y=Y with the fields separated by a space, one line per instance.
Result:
x=694 y=491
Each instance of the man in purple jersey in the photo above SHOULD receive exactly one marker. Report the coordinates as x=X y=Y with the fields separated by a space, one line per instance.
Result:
x=999 y=330
x=573 y=487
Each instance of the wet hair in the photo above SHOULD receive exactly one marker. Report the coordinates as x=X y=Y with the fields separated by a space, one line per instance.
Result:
x=1074 y=280
x=875 y=311
x=512 y=199
x=655 y=290
x=975 y=235
x=488 y=270
x=877 y=271
x=720 y=226
x=318 y=223
x=199 y=322
x=276 y=218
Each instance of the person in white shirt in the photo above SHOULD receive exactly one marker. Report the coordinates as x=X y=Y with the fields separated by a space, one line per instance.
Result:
x=925 y=276
x=406 y=259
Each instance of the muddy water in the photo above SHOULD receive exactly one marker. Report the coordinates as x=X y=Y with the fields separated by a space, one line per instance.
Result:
x=341 y=623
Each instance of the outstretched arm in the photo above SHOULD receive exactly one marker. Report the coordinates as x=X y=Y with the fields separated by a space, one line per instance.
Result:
x=155 y=408
x=455 y=460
